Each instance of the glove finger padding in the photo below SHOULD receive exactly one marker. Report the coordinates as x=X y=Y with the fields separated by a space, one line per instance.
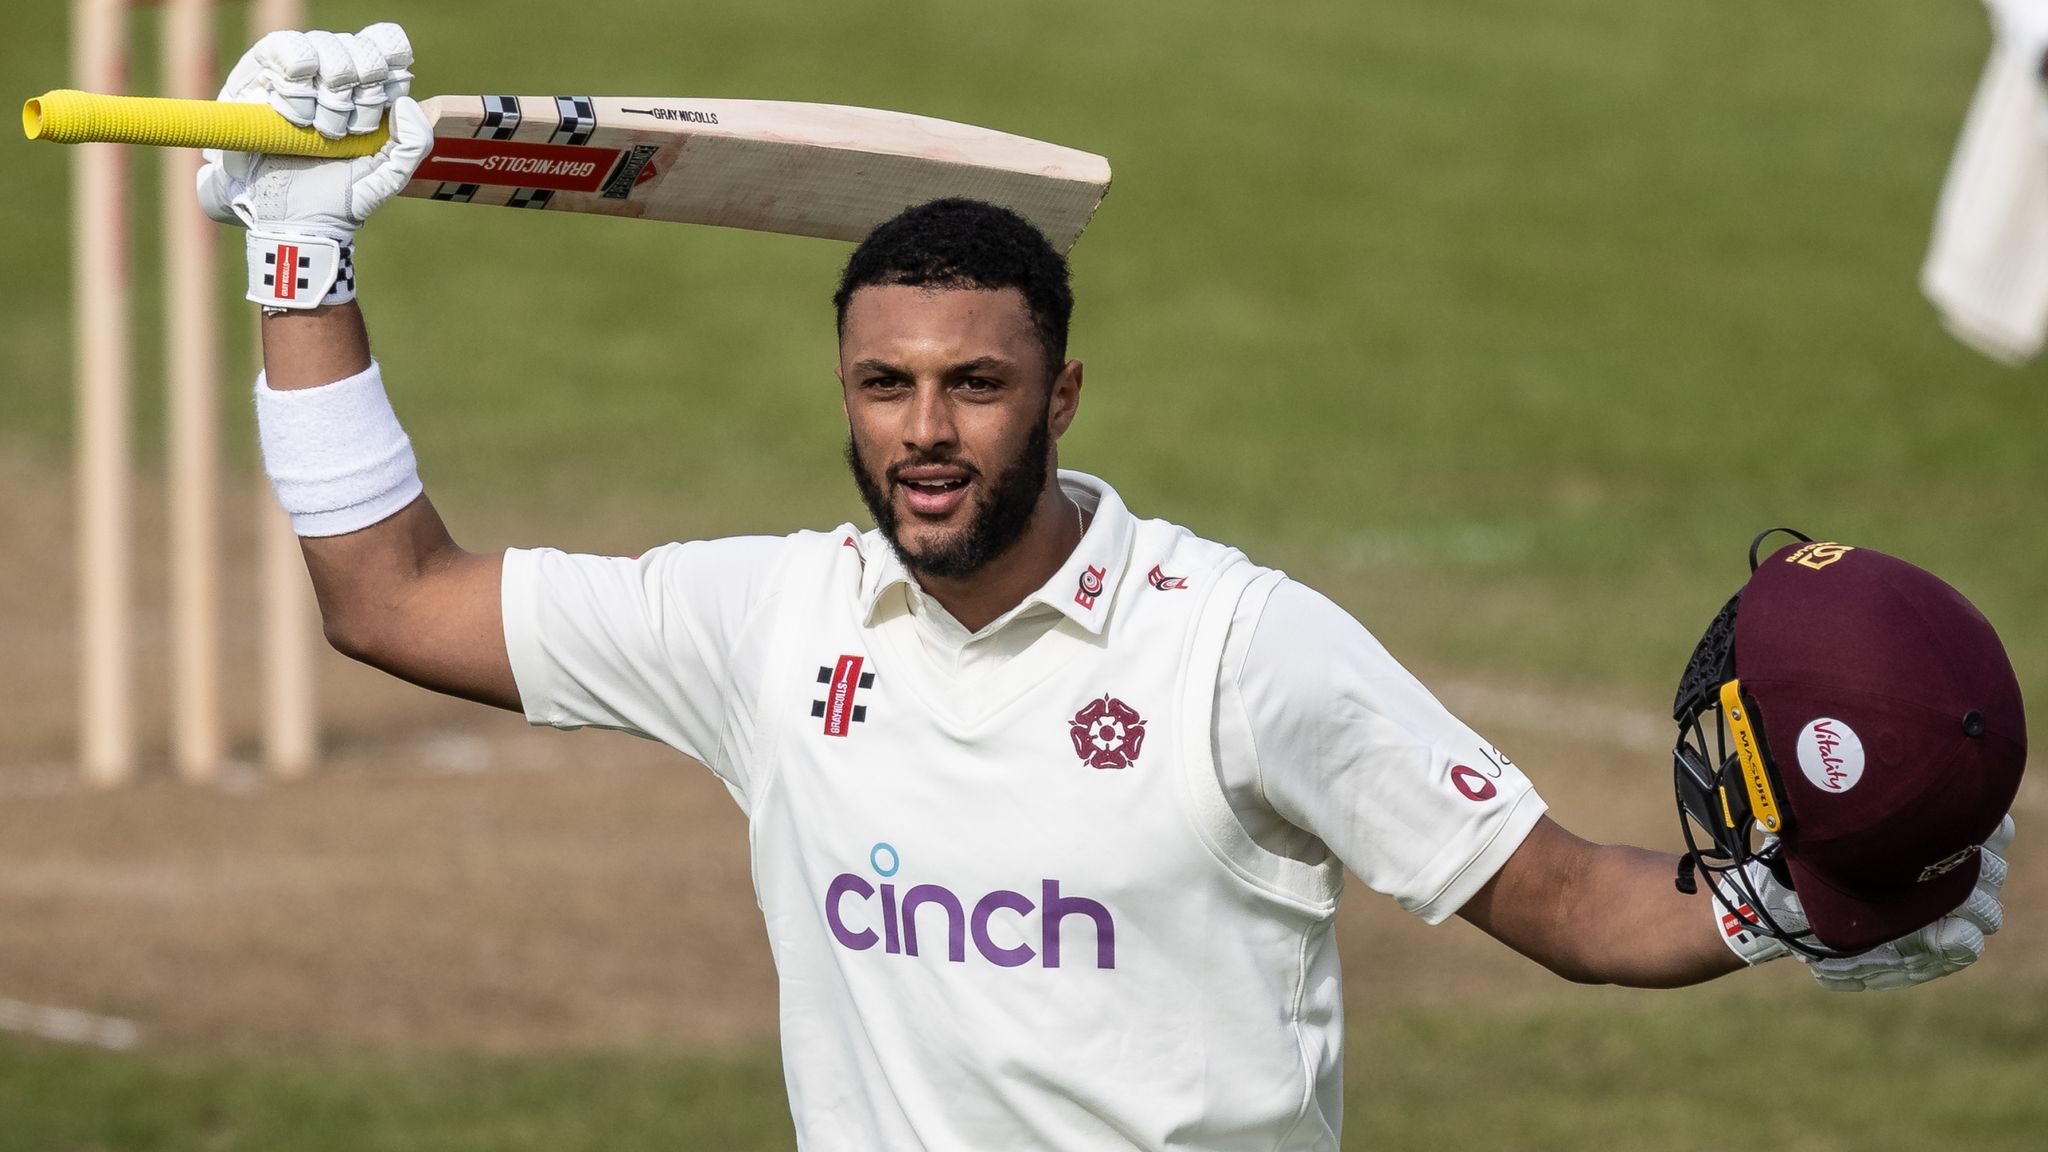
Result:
x=2001 y=837
x=369 y=96
x=336 y=84
x=390 y=40
x=1982 y=909
x=281 y=70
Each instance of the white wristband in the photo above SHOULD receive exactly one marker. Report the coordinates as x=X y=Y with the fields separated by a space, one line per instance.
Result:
x=336 y=455
x=299 y=272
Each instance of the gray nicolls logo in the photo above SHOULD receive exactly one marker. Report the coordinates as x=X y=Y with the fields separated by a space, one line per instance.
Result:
x=843 y=679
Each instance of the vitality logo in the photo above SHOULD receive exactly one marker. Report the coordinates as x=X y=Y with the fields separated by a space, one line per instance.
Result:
x=863 y=914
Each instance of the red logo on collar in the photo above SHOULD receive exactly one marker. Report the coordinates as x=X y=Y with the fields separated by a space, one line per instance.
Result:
x=1160 y=580
x=1091 y=586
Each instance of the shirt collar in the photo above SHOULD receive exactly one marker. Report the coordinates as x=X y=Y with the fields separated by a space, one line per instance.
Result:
x=1082 y=589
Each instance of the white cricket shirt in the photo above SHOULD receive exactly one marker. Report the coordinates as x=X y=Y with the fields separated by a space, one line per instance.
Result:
x=1067 y=881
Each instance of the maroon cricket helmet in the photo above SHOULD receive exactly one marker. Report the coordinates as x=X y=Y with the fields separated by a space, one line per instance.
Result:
x=1891 y=733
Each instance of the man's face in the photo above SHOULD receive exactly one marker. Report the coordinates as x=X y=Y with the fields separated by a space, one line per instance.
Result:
x=951 y=420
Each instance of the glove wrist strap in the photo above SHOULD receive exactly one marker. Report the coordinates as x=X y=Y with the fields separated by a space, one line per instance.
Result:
x=300 y=272
x=1737 y=921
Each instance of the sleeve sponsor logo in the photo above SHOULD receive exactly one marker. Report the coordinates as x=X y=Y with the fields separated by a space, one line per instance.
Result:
x=1477 y=783
x=1475 y=787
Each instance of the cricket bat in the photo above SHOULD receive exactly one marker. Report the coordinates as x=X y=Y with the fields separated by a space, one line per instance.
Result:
x=763 y=165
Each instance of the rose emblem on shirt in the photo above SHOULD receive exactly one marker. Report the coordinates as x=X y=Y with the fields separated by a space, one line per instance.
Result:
x=1107 y=733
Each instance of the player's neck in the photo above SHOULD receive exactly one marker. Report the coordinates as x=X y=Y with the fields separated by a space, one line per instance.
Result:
x=1054 y=532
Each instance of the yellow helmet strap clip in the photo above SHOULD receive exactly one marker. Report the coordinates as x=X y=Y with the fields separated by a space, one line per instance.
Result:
x=1763 y=800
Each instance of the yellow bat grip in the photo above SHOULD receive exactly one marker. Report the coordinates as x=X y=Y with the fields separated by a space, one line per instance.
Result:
x=70 y=117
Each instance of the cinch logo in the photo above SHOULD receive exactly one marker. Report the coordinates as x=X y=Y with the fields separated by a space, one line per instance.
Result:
x=853 y=907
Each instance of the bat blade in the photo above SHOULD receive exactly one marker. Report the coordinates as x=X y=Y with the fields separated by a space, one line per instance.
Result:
x=763 y=165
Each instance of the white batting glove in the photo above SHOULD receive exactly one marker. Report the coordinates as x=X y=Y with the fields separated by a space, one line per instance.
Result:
x=1943 y=948
x=1946 y=946
x=302 y=213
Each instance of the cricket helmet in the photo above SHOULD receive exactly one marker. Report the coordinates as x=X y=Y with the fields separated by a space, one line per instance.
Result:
x=1851 y=722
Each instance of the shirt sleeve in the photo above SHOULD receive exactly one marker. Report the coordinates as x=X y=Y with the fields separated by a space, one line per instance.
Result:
x=1351 y=748
x=647 y=644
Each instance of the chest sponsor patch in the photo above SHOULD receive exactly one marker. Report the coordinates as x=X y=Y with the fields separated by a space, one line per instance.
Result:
x=843 y=680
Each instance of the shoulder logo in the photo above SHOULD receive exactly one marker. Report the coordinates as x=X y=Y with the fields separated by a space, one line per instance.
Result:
x=1160 y=580
x=1472 y=784
x=1107 y=733
x=1091 y=586
x=843 y=679
x=1818 y=555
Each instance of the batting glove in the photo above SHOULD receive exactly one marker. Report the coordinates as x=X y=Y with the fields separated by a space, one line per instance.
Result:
x=1944 y=947
x=302 y=213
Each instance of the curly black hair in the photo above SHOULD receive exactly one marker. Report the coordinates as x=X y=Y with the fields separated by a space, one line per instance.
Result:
x=959 y=243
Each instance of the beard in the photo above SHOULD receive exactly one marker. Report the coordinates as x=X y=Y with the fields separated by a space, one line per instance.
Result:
x=1002 y=511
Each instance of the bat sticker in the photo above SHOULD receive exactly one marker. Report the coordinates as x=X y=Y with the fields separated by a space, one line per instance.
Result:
x=631 y=171
x=685 y=115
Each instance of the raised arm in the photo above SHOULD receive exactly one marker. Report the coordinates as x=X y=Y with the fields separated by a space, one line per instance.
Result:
x=398 y=594
x=394 y=589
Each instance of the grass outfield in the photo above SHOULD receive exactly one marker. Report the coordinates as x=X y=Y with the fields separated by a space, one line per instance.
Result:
x=1679 y=1073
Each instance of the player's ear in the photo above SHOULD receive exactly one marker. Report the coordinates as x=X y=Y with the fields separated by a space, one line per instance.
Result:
x=1066 y=398
x=839 y=374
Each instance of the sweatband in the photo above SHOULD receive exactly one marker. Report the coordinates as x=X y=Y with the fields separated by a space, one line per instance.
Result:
x=335 y=455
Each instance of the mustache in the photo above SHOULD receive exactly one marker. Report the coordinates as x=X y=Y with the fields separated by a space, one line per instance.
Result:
x=894 y=473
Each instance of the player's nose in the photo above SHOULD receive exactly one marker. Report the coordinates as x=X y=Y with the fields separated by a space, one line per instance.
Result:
x=929 y=420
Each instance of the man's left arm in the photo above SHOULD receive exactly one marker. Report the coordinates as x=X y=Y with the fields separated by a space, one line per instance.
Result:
x=1611 y=914
x=1601 y=913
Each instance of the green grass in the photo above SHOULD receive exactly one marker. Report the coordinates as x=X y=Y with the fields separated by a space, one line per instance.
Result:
x=68 y=1098
x=1707 y=1069
x=1678 y=1072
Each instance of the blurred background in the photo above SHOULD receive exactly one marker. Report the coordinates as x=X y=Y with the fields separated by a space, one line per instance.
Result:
x=1506 y=324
